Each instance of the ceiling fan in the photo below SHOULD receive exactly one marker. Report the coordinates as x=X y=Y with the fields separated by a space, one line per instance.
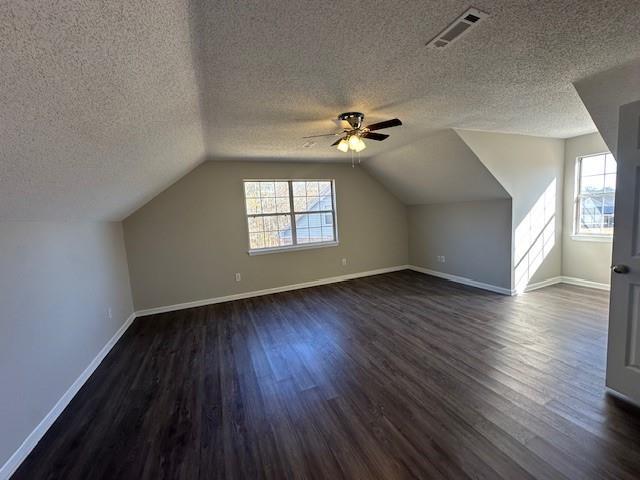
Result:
x=351 y=138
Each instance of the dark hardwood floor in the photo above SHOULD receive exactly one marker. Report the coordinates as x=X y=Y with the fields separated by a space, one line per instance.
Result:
x=394 y=376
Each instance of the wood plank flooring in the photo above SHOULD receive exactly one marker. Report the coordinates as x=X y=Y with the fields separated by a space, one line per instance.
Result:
x=400 y=375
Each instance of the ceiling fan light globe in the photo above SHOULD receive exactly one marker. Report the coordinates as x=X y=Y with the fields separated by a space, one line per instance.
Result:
x=343 y=146
x=356 y=143
x=361 y=146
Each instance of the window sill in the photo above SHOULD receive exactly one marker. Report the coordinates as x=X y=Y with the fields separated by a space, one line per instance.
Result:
x=593 y=238
x=264 y=251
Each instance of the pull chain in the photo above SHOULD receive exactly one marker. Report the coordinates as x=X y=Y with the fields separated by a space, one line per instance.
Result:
x=353 y=160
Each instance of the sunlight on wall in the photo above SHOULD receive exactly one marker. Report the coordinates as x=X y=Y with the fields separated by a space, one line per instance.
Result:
x=535 y=237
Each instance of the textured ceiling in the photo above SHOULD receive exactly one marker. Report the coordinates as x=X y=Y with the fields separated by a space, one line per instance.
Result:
x=106 y=103
x=100 y=106
x=273 y=72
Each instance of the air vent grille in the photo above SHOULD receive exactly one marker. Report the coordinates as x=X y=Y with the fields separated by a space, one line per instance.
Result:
x=457 y=28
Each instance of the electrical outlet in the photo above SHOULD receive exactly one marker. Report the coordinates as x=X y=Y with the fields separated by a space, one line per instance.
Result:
x=238 y=277
x=344 y=262
x=109 y=313
x=440 y=258
x=443 y=259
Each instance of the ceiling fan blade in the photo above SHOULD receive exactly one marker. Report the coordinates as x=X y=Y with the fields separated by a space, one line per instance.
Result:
x=336 y=142
x=324 y=135
x=374 y=136
x=386 y=124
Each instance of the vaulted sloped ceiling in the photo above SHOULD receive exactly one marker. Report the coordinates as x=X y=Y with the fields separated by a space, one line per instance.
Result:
x=100 y=107
x=604 y=93
x=439 y=168
x=106 y=103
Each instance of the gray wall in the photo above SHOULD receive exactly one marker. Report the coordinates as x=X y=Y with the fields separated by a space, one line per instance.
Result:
x=188 y=242
x=587 y=260
x=531 y=169
x=57 y=281
x=474 y=238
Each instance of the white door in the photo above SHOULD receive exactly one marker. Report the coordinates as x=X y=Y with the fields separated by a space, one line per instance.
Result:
x=623 y=354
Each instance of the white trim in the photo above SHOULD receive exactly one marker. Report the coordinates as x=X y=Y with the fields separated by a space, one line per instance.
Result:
x=545 y=283
x=268 y=291
x=505 y=291
x=592 y=238
x=36 y=435
x=577 y=180
x=292 y=214
x=462 y=280
x=569 y=281
x=289 y=248
x=12 y=464
x=586 y=283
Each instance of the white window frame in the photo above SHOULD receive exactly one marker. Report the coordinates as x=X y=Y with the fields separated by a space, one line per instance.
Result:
x=576 y=234
x=292 y=213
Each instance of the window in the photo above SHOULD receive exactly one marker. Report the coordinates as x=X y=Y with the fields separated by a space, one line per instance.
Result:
x=595 y=195
x=289 y=214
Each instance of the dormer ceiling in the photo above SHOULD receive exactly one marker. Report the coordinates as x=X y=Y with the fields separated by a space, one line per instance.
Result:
x=104 y=104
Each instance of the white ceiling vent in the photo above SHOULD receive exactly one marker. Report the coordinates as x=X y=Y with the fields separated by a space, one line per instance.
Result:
x=456 y=29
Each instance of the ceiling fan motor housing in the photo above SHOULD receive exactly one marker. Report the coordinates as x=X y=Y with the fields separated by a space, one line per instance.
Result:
x=354 y=119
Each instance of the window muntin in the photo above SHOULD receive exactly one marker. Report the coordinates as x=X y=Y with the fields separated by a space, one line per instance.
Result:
x=284 y=214
x=595 y=199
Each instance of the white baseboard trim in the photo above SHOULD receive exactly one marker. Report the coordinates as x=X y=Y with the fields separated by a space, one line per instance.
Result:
x=569 y=281
x=268 y=291
x=36 y=435
x=505 y=291
x=586 y=283
x=462 y=280
x=545 y=283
